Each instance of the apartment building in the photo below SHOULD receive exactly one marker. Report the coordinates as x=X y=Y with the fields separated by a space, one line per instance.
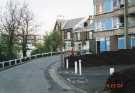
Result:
x=109 y=24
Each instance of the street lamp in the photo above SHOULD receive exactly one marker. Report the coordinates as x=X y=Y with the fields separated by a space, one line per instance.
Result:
x=126 y=24
x=60 y=19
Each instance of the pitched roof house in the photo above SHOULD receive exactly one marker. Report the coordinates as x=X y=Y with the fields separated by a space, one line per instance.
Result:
x=71 y=28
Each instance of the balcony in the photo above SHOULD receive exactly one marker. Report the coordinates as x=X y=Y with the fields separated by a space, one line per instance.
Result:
x=117 y=12
x=113 y=32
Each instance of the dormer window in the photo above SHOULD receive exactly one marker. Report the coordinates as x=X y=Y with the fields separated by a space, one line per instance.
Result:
x=85 y=24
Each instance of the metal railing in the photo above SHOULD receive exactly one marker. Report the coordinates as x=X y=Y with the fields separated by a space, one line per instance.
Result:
x=15 y=62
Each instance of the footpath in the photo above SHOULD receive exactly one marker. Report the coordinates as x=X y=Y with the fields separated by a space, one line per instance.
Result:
x=92 y=80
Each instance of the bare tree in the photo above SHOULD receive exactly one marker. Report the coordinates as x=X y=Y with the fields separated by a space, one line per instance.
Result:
x=17 y=22
x=10 y=25
x=26 y=26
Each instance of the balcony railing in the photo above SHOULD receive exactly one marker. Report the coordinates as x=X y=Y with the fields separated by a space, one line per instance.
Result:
x=117 y=12
x=118 y=31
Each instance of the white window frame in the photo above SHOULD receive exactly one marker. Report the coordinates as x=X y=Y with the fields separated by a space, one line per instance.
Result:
x=78 y=35
x=68 y=35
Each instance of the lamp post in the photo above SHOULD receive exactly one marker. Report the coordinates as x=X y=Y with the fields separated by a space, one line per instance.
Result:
x=126 y=24
x=60 y=18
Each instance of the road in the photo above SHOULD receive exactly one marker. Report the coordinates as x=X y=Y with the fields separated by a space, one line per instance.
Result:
x=31 y=77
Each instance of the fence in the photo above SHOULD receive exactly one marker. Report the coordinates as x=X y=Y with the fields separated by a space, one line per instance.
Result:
x=15 y=62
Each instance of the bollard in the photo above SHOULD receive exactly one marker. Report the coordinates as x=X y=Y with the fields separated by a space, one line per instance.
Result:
x=67 y=64
x=112 y=70
x=76 y=70
x=80 y=67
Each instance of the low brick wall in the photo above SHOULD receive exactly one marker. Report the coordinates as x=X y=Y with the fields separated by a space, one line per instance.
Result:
x=105 y=58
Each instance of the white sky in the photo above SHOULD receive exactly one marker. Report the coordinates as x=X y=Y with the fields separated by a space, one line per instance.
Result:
x=46 y=11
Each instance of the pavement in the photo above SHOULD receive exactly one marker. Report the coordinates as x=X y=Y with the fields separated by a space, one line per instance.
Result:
x=93 y=79
x=54 y=72
x=37 y=76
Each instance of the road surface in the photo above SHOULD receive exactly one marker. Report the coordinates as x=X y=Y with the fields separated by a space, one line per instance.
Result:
x=31 y=77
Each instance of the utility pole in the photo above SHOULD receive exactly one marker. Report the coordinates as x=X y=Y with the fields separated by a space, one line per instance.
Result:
x=61 y=48
x=126 y=24
x=62 y=38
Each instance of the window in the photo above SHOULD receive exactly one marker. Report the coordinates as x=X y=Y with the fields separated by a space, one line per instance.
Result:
x=99 y=7
x=131 y=21
x=67 y=45
x=115 y=22
x=85 y=24
x=104 y=44
x=121 y=3
x=131 y=2
x=68 y=35
x=107 y=6
x=133 y=42
x=99 y=26
x=78 y=36
x=90 y=35
x=107 y=24
x=121 y=19
x=116 y=4
x=65 y=35
x=121 y=43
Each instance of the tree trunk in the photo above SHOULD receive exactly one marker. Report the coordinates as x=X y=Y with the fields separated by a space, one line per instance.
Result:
x=11 y=45
x=24 y=43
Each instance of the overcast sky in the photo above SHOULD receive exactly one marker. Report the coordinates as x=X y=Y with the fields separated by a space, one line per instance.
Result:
x=46 y=11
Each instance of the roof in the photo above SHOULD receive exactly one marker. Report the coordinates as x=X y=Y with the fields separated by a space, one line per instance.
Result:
x=80 y=25
x=71 y=23
x=75 y=24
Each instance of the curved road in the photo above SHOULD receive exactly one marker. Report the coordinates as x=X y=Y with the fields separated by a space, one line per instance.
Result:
x=31 y=77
